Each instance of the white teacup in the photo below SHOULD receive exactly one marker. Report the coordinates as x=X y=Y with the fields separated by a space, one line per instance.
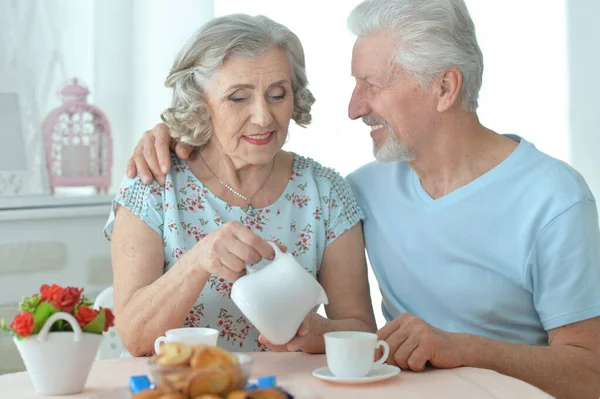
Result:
x=350 y=354
x=189 y=336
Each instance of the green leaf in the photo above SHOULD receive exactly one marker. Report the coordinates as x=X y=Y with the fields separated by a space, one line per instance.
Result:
x=4 y=329
x=96 y=326
x=30 y=303
x=61 y=325
x=85 y=301
x=42 y=313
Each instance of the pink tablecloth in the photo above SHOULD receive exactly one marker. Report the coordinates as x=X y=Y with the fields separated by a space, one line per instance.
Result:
x=109 y=378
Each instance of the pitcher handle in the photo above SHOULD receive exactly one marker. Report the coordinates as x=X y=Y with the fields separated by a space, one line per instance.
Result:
x=278 y=254
x=43 y=335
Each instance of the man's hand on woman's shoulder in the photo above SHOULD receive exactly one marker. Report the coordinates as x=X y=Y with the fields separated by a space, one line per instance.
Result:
x=151 y=157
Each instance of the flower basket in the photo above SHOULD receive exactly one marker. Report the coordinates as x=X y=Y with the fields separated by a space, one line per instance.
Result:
x=59 y=362
x=58 y=335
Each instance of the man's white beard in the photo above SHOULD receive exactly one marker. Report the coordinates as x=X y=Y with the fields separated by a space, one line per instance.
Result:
x=392 y=150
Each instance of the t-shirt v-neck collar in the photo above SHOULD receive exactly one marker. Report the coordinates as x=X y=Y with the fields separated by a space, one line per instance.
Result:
x=473 y=186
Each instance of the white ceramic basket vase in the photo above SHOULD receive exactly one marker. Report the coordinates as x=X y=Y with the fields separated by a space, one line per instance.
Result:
x=59 y=362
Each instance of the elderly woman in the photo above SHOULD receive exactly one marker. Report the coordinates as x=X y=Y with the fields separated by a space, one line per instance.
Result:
x=177 y=248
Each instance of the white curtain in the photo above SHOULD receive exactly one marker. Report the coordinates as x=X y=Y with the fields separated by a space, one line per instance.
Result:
x=135 y=44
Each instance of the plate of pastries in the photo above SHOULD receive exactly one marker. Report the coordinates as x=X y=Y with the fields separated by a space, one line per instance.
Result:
x=183 y=371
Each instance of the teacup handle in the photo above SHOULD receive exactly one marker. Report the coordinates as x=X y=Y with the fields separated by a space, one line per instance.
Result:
x=386 y=352
x=278 y=254
x=157 y=343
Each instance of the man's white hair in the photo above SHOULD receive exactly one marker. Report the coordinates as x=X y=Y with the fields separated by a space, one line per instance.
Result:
x=432 y=35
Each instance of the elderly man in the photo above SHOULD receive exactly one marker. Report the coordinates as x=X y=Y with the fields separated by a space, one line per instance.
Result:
x=485 y=249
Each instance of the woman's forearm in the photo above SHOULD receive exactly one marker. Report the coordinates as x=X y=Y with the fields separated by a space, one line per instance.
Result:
x=160 y=306
x=322 y=325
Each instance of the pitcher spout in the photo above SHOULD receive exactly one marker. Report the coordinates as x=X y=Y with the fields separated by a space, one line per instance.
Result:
x=322 y=297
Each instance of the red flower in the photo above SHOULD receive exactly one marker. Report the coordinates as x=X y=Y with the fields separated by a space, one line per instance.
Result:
x=63 y=299
x=23 y=324
x=67 y=299
x=48 y=292
x=110 y=319
x=85 y=315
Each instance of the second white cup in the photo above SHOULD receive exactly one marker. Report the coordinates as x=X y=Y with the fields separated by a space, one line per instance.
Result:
x=350 y=354
x=188 y=336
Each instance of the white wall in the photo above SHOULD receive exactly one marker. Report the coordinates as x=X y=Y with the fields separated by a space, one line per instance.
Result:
x=525 y=76
x=584 y=86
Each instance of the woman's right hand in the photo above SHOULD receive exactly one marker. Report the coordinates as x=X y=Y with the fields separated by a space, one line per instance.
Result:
x=224 y=252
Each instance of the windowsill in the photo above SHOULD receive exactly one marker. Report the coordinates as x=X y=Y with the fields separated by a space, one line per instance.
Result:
x=51 y=207
x=51 y=201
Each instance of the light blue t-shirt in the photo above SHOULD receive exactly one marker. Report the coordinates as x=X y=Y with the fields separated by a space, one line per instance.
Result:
x=508 y=256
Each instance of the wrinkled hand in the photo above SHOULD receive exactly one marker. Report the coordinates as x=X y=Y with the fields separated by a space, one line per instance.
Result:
x=224 y=252
x=151 y=155
x=413 y=343
x=309 y=337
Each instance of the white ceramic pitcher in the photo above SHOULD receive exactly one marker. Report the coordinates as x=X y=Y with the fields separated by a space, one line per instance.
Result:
x=277 y=297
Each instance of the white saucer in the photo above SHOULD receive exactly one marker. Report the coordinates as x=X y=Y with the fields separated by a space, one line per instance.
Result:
x=384 y=372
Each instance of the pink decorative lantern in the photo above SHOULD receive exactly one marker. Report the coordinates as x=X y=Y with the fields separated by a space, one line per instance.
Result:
x=78 y=142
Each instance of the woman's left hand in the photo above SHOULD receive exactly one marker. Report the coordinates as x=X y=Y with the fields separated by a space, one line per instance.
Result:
x=309 y=337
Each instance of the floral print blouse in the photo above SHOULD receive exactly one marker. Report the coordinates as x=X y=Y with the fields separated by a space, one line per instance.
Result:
x=316 y=207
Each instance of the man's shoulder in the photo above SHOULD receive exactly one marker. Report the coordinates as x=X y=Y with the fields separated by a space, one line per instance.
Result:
x=555 y=177
x=374 y=172
x=369 y=169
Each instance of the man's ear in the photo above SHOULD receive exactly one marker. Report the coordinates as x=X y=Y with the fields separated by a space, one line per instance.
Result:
x=448 y=84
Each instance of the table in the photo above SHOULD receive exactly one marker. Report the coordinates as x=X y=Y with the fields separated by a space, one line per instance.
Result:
x=293 y=371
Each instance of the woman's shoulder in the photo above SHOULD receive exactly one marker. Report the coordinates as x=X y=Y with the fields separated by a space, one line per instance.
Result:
x=135 y=191
x=322 y=174
x=336 y=202
x=332 y=187
x=178 y=165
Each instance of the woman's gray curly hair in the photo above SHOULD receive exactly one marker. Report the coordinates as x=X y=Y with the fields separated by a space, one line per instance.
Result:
x=204 y=53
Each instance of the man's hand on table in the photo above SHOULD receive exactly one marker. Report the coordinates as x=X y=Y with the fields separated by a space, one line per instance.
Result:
x=413 y=343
